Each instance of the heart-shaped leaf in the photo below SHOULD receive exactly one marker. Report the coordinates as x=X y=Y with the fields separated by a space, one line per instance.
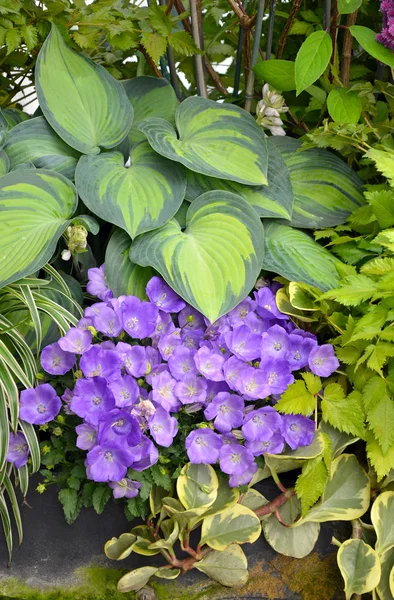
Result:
x=150 y=97
x=272 y=200
x=218 y=140
x=344 y=105
x=36 y=142
x=235 y=525
x=35 y=206
x=78 y=97
x=139 y=198
x=326 y=191
x=360 y=567
x=214 y=263
x=124 y=278
x=278 y=73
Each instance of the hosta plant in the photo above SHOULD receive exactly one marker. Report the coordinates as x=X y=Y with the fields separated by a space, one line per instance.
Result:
x=198 y=191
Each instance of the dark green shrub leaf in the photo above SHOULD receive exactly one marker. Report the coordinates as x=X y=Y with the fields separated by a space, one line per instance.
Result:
x=100 y=497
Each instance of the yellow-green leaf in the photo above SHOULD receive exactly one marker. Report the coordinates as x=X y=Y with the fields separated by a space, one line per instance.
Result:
x=360 y=567
x=197 y=486
x=236 y=525
x=121 y=547
x=382 y=519
x=135 y=580
x=312 y=59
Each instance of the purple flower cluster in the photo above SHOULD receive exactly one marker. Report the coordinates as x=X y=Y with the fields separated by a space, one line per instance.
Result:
x=386 y=37
x=141 y=365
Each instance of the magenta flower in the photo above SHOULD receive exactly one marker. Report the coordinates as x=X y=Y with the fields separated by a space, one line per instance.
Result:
x=39 y=405
x=18 y=450
x=191 y=389
x=55 y=361
x=163 y=427
x=259 y=425
x=297 y=430
x=235 y=459
x=87 y=436
x=125 y=488
x=226 y=412
x=322 y=360
x=107 y=463
x=76 y=340
x=181 y=363
x=97 y=286
x=203 y=446
x=163 y=296
x=386 y=37
x=100 y=362
x=92 y=399
x=138 y=318
x=125 y=391
x=210 y=363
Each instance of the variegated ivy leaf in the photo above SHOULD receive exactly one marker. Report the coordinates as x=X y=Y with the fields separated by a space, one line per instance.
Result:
x=35 y=208
x=34 y=141
x=197 y=486
x=218 y=140
x=273 y=200
x=83 y=103
x=150 y=97
x=135 y=580
x=230 y=567
x=385 y=587
x=138 y=198
x=383 y=522
x=121 y=547
x=212 y=264
x=360 y=567
x=235 y=525
x=326 y=191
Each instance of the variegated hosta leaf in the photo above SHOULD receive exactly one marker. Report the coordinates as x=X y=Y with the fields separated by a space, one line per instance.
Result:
x=124 y=277
x=139 y=198
x=197 y=486
x=218 y=140
x=274 y=200
x=235 y=525
x=230 y=568
x=34 y=141
x=347 y=493
x=382 y=513
x=297 y=542
x=83 y=103
x=214 y=263
x=326 y=191
x=4 y=163
x=150 y=97
x=360 y=567
x=35 y=206
x=295 y=255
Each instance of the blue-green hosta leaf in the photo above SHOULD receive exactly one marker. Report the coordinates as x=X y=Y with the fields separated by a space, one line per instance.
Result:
x=218 y=140
x=360 y=567
x=83 y=103
x=34 y=141
x=296 y=256
x=4 y=163
x=35 y=206
x=14 y=116
x=326 y=191
x=123 y=276
x=274 y=200
x=139 y=198
x=214 y=263
x=150 y=97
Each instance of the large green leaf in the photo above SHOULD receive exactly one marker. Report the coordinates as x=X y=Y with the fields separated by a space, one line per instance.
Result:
x=197 y=486
x=382 y=519
x=229 y=567
x=272 y=200
x=235 y=525
x=34 y=210
x=344 y=105
x=326 y=191
x=83 y=103
x=360 y=567
x=367 y=40
x=123 y=276
x=278 y=73
x=36 y=142
x=347 y=493
x=214 y=263
x=13 y=116
x=296 y=256
x=150 y=97
x=312 y=59
x=4 y=163
x=139 y=198
x=219 y=140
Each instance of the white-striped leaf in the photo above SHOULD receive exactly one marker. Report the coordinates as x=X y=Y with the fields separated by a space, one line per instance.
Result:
x=347 y=493
x=150 y=97
x=214 y=263
x=34 y=141
x=360 y=567
x=4 y=163
x=296 y=256
x=35 y=206
x=123 y=276
x=326 y=191
x=274 y=200
x=382 y=519
x=139 y=198
x=218 y=140
x=83 y=103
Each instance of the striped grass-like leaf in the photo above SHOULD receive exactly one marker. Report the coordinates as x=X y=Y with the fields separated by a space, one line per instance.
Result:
x=274 y=200
x=213 y=264
x=9 y=397
x=4 y=163
x=150 y=97
x=6 y=521
x=4 y=430
x=23 y=478
x=360 y=567
x=32 y=441
x=123 y=276
x=83 y=103
x=36 y=142
x=137 y=199
x=326 y=191
x=296 y=256
x=14 y=504
x=218 y=140
x=34 y=210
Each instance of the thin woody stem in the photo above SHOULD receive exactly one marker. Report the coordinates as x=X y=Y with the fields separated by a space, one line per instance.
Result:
x=347 y=49
x=287 y=27
x=273 y=506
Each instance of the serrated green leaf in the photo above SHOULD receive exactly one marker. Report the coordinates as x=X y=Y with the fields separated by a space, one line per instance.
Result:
x=311 y=482
x=69 y=500
x=354 y=290
x=12 y=40
x=313 y=383
x=100 y=497
x=312 y=59
x=297 y=399
x=381 y=462
x=345 y=7
x=382 y=203
x=345 y=414
x=155 y=44
x=378 y=266
x=381 y=418
x=30 y=35
x=183 y=43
